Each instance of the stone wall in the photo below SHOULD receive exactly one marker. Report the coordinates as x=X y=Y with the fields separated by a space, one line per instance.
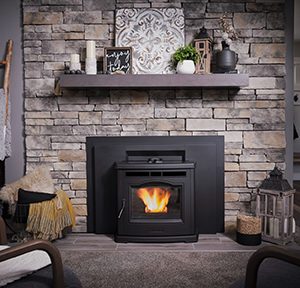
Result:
x=252 y=119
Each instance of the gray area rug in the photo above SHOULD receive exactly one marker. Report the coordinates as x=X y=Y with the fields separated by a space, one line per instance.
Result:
x=156 y=269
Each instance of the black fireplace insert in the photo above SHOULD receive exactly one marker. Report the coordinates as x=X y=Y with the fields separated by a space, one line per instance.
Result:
x=124 y=174
x=155 y=200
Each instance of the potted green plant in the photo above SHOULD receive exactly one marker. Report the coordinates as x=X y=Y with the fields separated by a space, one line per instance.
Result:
x=184 y=59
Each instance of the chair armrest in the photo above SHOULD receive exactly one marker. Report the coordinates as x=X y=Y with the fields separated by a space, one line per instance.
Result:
x=3 y=238
x=50 y=249
x=267 y=252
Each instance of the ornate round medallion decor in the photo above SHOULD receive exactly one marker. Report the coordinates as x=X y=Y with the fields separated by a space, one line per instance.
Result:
x=154 y=35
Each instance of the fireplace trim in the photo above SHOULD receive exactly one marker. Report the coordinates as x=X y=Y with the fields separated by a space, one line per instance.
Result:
x=206 y=151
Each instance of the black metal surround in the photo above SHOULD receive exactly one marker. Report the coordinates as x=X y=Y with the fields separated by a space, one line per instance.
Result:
x=168 y=226
x=207 y=152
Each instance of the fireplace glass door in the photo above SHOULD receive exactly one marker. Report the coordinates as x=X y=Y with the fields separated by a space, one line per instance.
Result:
x=155 y=201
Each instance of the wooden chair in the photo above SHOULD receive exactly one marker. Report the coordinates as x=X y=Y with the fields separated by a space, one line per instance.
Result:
x=58 y=271
x=272 y=266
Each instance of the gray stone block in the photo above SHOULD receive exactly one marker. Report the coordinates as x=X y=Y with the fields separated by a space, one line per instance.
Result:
x=249 y=20
x=264 y=139
x=275 y=20
x=194 y=113
x=61 y=2
x=53 y=47
x=205 y=124
x=194 y=10
x=97 y=32
x=83 y=17
x=165 y=124
x=136 y=111
x=225 y=7
x=165 y=113
x=93 y=5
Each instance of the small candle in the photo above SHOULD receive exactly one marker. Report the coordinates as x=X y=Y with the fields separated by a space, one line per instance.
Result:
x=74 y=58
x=90 y=49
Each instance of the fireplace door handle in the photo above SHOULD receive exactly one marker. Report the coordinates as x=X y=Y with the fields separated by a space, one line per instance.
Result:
x=122 y=208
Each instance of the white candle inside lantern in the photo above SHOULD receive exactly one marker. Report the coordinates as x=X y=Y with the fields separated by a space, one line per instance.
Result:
x=90 y=49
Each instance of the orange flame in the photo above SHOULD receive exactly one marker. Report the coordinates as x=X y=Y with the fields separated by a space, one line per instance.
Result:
x=155 y=199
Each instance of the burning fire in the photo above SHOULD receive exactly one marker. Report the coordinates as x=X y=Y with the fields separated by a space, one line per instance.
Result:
x=155 y=199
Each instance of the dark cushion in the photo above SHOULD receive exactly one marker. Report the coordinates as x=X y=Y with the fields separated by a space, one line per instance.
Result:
x=24 y=199
x=43 y=279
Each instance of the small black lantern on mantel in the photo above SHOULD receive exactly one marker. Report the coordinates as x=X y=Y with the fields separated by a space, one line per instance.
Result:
x=203 y=45
x=275 y=201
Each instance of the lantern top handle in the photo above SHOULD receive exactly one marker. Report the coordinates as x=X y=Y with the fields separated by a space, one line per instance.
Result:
x=275 y=182
x=276 y=173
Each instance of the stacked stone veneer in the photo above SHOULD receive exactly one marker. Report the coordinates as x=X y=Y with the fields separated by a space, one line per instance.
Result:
x=252 y=119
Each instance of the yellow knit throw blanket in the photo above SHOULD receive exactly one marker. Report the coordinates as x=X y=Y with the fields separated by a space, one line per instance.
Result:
x=47 y=219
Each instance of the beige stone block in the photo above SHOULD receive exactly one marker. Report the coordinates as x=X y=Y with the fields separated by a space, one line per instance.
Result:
x=38 y=121
x=78 y=184
x=205 y=124
x=257 y=176
x=264 y=139
x=65 y=115
x=90 y=118
x=54 y=66
x=40 y=115
x=165 y=124
x=262 y=82
x=62 y=166
x=231 y=113
x=42 y=18
x=232 y=136
x=235 y=179
x=232 y=151
x=273 y=50
x=97 y=32
x=239 y=127
x=78 y=201
x=257 y=166
x=194 y=113
x=136 y=111
x=253 y=158
x=231 y=166
x=72 y=155
x=77 y=175
x=37 y=142
x=231 y=197
x=80 y=210
x=165 y=113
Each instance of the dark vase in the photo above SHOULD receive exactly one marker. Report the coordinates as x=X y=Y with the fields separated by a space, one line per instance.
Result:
x=226 y=59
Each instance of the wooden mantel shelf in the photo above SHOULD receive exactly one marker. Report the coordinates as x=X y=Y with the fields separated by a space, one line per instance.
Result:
x=154 y=81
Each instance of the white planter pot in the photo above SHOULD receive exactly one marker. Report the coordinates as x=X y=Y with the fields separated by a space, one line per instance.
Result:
x=186 y=67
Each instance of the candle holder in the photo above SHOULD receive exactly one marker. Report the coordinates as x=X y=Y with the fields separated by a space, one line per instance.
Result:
x=90 y=66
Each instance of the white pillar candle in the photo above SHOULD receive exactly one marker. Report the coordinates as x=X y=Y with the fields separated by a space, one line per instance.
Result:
x=90 y=49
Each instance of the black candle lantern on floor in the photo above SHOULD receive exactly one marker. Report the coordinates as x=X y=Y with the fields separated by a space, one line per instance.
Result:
x=275 y=201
